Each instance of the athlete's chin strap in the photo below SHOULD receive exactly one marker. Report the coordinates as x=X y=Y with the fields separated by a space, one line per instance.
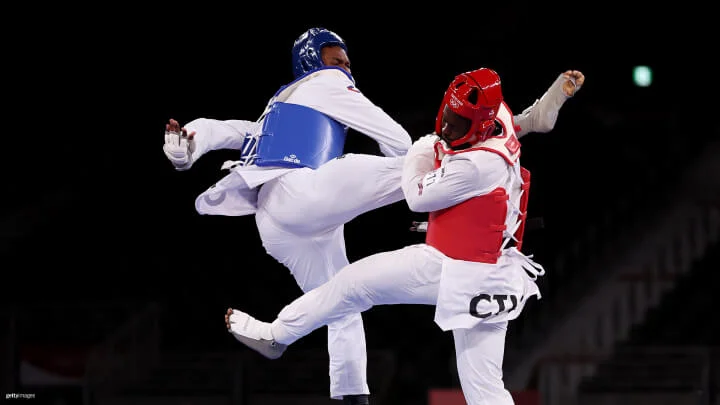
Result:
x=448 y=143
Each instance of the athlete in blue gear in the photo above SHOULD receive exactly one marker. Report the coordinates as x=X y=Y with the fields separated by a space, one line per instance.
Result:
x=289 y=176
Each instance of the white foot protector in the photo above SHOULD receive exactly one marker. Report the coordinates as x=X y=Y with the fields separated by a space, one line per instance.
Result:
x=255 y=335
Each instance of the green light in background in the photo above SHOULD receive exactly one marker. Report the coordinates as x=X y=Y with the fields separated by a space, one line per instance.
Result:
x=642 y=76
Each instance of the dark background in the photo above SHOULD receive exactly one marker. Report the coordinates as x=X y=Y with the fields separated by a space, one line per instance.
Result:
x=94 y=212
x=95 y=86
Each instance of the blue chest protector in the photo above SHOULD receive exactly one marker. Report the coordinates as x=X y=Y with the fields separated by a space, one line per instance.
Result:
x=294 y=136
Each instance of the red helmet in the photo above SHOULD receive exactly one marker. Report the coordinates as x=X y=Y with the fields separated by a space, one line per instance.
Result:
x=475 y=95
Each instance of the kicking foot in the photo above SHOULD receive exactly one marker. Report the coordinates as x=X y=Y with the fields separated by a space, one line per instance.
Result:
x=253 y=333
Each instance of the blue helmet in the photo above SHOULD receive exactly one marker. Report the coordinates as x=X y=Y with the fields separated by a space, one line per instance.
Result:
x=306 y=50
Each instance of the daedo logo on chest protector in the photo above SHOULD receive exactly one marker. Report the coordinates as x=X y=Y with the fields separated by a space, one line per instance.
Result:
x=291 y=158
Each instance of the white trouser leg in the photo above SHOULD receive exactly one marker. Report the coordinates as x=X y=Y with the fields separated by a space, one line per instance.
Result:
x=479 y=352
x=308 y=201
x=300 y=218
x=406 y=276
x=313 y=260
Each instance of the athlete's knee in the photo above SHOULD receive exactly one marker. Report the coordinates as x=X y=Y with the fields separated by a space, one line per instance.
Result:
x=303 y=215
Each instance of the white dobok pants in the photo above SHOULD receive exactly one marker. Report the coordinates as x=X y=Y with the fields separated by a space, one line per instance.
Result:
x=300 y=219
x=409 y=275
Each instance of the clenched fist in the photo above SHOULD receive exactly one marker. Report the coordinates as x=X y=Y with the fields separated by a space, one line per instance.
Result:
x=575 y=80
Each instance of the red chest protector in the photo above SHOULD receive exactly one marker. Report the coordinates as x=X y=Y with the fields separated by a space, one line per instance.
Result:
x=473 y=230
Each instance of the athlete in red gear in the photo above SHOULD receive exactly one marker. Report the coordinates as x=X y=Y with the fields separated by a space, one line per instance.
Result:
x=467 y=176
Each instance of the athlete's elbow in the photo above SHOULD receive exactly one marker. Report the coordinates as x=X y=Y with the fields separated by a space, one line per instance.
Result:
x=412 y=204
x=416 y=204
x=395 y=150
x=545 y=126
x=411 y=192
x=402 y=148
x=402 y=142
x=405 y=143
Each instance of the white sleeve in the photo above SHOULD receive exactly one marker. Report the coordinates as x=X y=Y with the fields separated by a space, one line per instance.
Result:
x=213 y=134
x=335 y=95
x=542 y=115
x=457 y=180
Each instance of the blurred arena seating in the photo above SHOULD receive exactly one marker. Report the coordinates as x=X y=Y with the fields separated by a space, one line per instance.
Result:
x=594 y=194
x=675 y=351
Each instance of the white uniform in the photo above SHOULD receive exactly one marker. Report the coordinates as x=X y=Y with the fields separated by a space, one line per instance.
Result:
x=421 y=274
x=300 y=212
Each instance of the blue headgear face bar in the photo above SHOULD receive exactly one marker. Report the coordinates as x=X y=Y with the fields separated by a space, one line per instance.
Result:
x=306 y=50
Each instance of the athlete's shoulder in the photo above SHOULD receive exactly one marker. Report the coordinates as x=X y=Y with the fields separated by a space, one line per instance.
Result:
x=480 y=157
x=335 y=77
x=330 y=90
x=333 y=72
